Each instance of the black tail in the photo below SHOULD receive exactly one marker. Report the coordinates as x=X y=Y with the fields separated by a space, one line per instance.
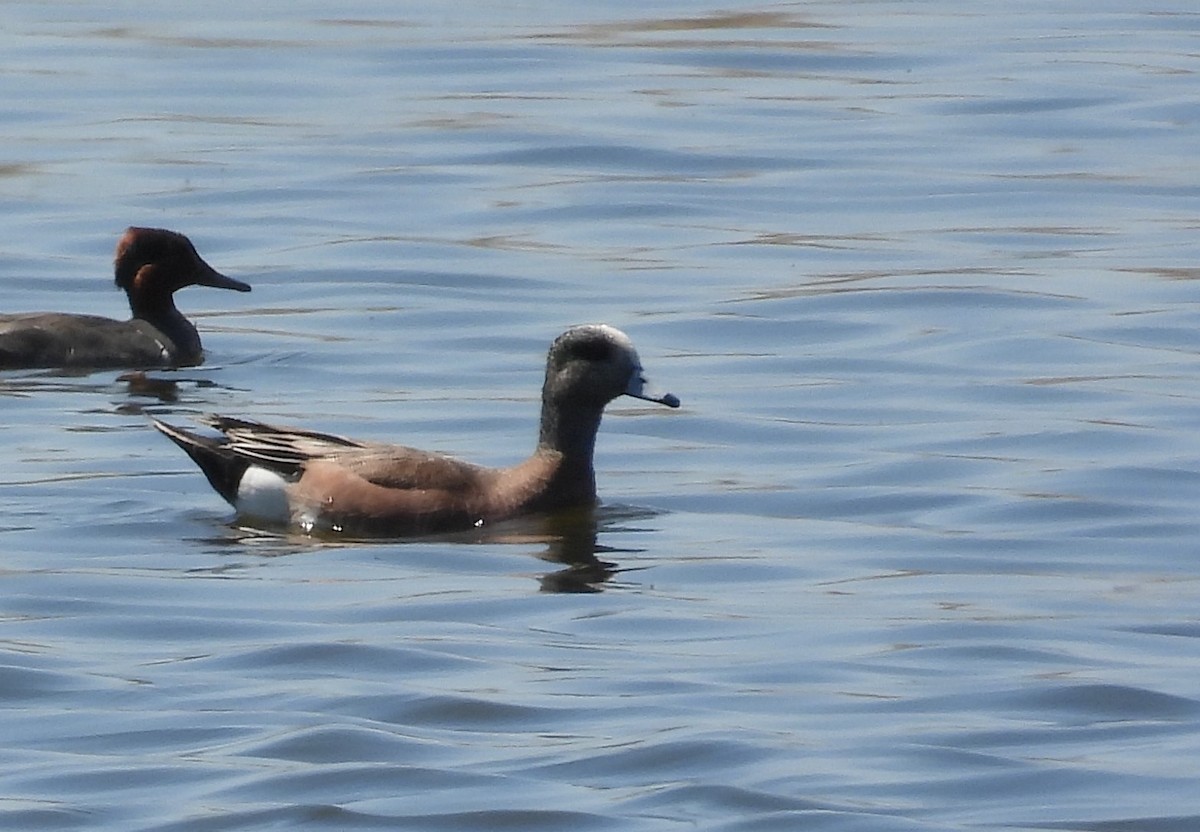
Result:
x=222 y=467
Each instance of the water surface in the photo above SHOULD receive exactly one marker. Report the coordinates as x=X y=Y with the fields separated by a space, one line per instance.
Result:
x=918 y=552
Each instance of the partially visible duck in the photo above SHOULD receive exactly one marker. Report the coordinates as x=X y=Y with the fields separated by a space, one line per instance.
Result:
x=150 y=265
x=320 y=482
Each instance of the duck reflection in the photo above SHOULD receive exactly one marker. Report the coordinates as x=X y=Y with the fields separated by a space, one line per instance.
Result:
x=567 y=539
x=142 y=386
x=571 y=540
x=139 y=387
x=144 y=392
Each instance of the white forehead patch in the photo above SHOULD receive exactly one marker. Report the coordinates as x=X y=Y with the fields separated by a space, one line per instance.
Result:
x=620 y=339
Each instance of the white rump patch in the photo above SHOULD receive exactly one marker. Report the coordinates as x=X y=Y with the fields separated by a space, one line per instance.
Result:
x=263 y=494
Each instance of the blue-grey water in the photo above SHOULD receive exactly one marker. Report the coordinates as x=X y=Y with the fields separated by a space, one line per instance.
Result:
x=919 y=552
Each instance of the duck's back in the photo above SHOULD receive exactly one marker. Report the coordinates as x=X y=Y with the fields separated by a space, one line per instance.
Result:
x=55 y=339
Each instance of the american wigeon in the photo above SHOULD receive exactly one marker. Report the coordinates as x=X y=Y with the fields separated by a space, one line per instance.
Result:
x=318 y=482
x=150 y=265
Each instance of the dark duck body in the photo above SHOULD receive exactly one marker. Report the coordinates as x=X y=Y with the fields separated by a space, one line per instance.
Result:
x=321 y=482
x=151 y=264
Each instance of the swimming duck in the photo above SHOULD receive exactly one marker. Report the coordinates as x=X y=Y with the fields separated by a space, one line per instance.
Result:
x=150 y=265
x=320 y=482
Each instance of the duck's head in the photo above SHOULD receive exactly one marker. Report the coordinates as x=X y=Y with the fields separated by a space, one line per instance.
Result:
x=594 y=364
x=155 y=260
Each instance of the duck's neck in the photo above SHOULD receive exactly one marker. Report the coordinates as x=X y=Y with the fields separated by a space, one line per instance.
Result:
x=569 y=430
x=160 y=312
